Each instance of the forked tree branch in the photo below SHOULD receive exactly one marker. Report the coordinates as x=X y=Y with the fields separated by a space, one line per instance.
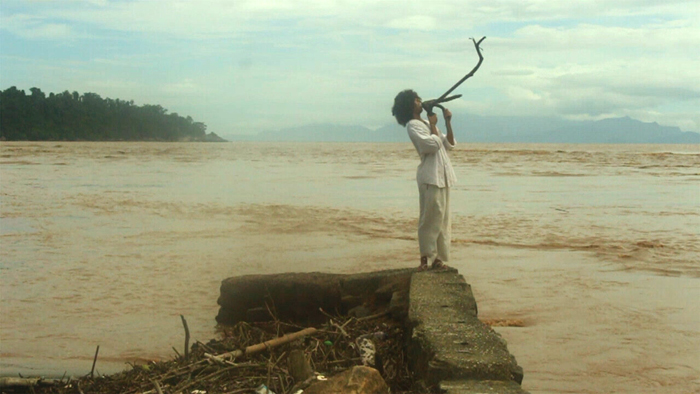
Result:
x=472 y=72
x=428 y=105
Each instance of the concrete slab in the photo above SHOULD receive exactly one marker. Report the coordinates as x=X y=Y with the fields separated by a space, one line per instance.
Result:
x=298 y=296
x=448 y=342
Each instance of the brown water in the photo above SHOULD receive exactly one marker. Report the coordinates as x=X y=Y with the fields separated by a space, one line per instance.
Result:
x=596 y=248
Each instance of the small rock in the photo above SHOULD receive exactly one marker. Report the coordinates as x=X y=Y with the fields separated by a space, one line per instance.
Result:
x=517 y=372
x=384 y=293
x=358 y=380
x=398 y=307
x=359 y=312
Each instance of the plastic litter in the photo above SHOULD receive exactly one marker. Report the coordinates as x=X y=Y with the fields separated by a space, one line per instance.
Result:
x=328 y=343
x=367 y=348
x=262 y=389
x=367 y=351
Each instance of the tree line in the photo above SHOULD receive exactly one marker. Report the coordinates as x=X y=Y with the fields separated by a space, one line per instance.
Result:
x=88 y=117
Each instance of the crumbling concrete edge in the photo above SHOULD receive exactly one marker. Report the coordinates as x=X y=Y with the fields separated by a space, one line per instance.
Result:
x=449 y=346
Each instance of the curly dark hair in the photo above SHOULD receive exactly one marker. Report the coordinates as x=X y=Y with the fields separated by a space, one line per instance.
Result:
x=403 y=106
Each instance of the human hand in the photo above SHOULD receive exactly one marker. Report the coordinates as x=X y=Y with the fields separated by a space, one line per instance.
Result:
x=447 y=115
x=433 y=119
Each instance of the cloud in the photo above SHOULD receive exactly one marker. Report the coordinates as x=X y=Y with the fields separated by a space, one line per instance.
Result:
x=185 y=86
x=414 y=22
x=548 y=10
x=587 y=70
x=512 y=72
x=329 y=60
x=522 y=94
x=225 y=17
x=179 y=18
x=661 y=37
x=32 y=27
x=665 y=92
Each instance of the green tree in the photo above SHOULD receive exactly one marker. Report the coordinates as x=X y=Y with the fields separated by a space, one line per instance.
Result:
x=71 y=116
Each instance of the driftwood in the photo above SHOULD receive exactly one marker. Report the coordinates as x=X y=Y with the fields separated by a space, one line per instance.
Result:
x=429 y=104
x=187 y=337
x=262 y=346
x=157 y=386
x=18 y=382
x=94 y=361
x=326 y=349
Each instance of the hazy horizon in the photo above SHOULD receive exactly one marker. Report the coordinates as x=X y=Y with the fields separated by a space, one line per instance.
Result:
x=475 y=129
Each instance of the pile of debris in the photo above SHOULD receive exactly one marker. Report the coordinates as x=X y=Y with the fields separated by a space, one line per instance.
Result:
x=271 y=357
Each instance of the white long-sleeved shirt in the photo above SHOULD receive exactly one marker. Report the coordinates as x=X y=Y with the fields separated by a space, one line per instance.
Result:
x=435 y=167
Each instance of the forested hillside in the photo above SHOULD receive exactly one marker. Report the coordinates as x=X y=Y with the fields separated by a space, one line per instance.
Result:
x=88 y=117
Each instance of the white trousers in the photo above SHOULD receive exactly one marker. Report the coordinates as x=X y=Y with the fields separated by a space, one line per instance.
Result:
x=434 y=225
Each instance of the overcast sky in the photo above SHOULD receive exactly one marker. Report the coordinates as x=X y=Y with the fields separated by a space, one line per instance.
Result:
x=246 y=66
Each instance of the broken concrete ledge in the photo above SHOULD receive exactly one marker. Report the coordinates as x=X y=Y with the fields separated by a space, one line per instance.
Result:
x=448 y=346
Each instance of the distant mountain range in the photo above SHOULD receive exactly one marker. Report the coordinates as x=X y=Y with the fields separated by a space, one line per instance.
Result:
x=474 y=128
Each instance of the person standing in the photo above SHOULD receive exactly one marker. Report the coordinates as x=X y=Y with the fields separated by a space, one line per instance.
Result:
x=435 y=176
